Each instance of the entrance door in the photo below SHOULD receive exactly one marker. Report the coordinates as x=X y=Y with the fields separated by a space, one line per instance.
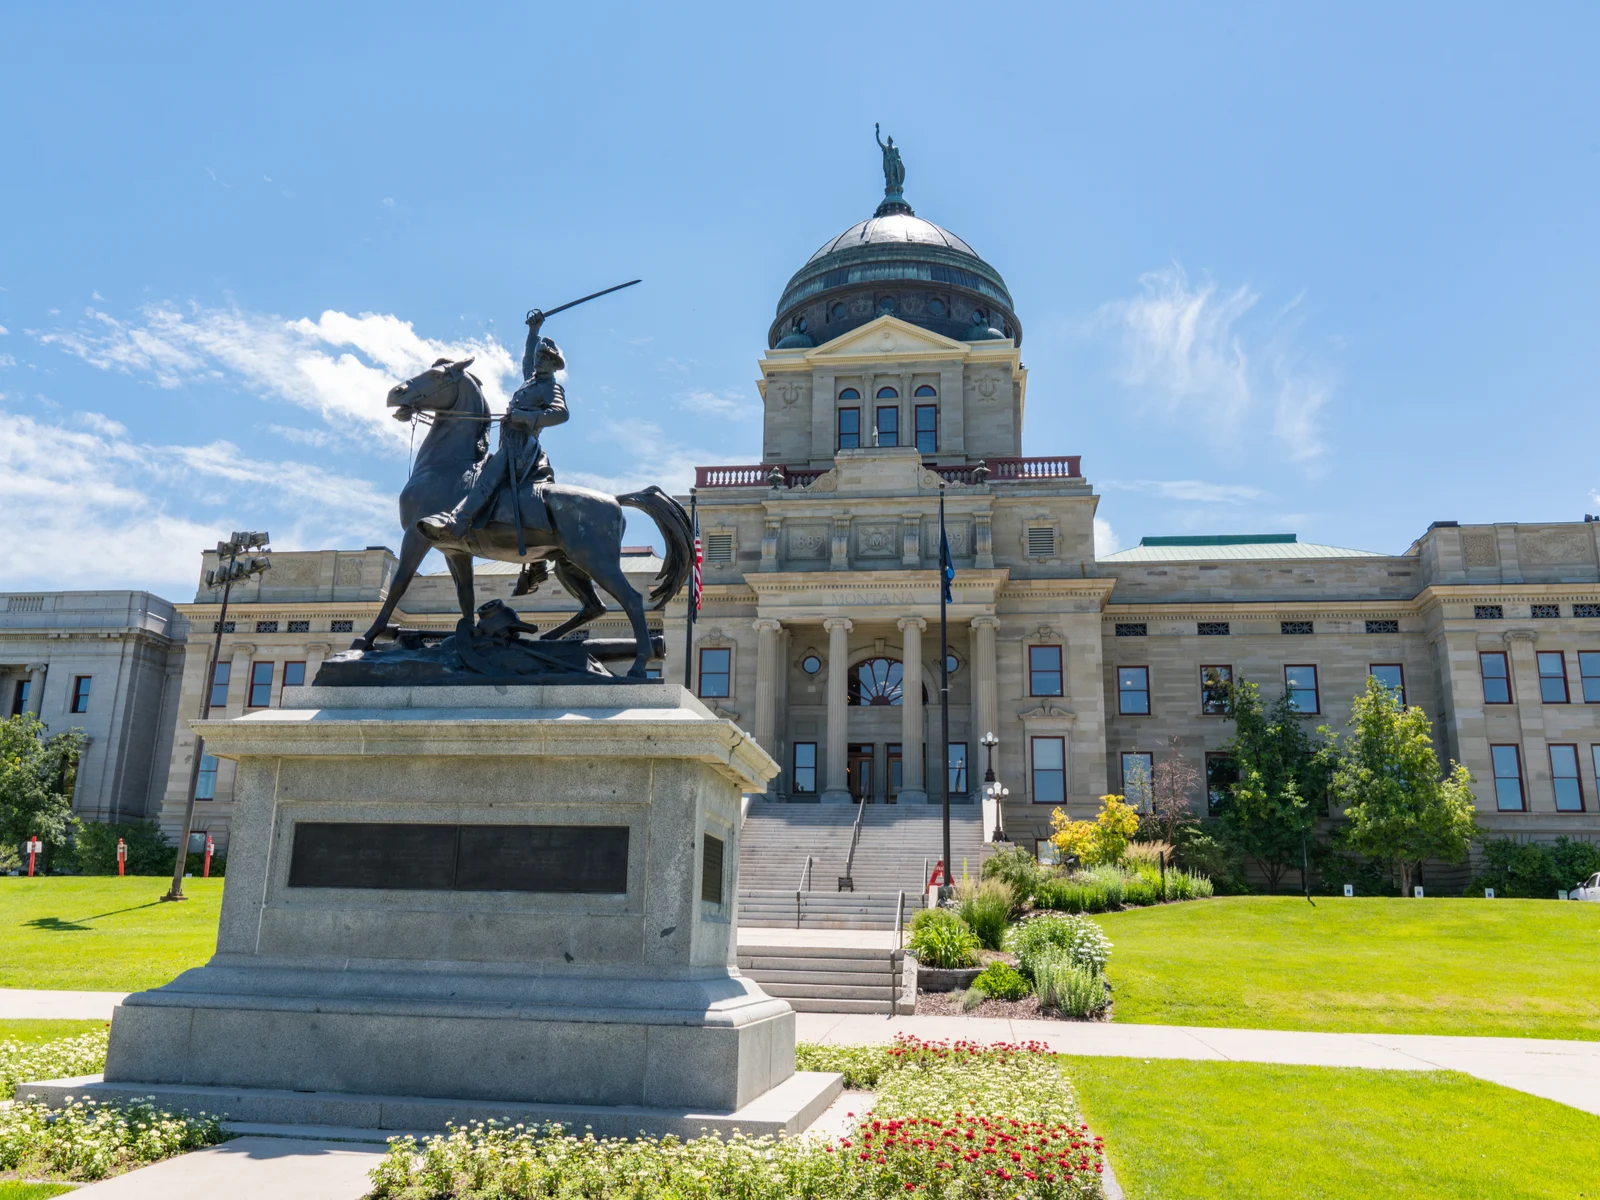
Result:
x=861 y=771
x=895 y=768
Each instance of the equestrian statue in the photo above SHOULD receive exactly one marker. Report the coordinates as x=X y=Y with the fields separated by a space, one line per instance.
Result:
x=507 y=506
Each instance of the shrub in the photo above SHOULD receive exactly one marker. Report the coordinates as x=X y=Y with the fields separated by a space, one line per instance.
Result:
x=1103 y=840
x=1142 y=888
x=1186 y=885
x=1084 y=942
x=940 y=938
x=1016 y=867
x=1206 y=850
x=1077 y=991
x=986 y=908
x=1002 y=982
x=1068 y=895
x=1535 y=870
x=1147 y=854
x=149 y=852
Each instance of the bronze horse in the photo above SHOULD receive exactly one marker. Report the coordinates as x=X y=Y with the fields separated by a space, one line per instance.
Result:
x=582 y=539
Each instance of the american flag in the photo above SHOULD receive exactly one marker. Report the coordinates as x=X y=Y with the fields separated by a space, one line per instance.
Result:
x=694 y=583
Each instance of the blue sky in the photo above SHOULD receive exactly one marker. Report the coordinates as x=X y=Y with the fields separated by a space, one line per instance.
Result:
x=1328 y=269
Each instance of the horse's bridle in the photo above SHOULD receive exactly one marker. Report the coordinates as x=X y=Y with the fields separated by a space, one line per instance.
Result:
x=409 y=411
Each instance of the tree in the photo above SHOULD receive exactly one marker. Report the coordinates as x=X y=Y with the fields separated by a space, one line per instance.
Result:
x=38 y=772
x=1273 y=808
x=1398 y=803
x=1173 y=787
x=1102 y=841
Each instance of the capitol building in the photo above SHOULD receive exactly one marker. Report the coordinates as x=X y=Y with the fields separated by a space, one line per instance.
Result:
x=893 y=374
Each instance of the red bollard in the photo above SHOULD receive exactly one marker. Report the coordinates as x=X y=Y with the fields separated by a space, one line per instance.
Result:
x=122 y=857
x=210 y=846
x=35 y=847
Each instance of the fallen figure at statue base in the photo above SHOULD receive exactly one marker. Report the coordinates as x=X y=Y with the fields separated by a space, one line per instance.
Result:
x=492 y=650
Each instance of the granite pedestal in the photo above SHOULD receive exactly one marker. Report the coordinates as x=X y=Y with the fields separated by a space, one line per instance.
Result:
x=470 y=901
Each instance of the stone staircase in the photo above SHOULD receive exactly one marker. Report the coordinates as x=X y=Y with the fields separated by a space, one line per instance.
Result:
x=836 y=979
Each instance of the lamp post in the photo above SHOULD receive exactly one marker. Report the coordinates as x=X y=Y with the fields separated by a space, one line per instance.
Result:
x=992 y=787
x=224 y=577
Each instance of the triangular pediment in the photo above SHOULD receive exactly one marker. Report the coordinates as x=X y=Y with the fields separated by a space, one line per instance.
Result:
x=888 y=337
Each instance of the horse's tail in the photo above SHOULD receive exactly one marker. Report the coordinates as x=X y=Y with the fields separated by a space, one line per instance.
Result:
x=673 y=523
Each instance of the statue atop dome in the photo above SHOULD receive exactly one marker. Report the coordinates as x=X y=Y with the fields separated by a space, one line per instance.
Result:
x=894 y=177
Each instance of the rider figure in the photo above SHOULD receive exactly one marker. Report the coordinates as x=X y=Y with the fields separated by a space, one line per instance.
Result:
x=539 y=403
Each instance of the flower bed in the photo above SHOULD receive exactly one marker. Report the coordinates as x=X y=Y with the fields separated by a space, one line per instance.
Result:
x=85 y=1140
x=953 y=1121
x=64 y=1058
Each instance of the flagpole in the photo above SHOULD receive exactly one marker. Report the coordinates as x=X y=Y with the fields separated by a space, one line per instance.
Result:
x=945 y=572
x=694 y=593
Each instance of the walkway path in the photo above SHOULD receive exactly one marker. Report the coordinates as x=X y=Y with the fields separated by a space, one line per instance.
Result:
x=21 y=1004
x=1567 y=1072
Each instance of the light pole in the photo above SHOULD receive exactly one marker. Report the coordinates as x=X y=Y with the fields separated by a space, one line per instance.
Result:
x=224 y=577
x=992 y=788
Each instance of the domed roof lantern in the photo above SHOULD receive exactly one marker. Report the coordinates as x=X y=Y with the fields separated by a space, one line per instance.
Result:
x=894 y=262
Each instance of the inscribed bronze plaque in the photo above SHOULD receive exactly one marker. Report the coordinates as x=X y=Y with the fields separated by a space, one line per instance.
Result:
x=587 y=859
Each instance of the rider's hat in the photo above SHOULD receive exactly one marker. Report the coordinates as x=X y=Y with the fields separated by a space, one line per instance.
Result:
x=550 y=353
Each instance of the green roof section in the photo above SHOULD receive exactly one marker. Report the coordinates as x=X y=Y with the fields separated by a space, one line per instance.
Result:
x=1222 y=539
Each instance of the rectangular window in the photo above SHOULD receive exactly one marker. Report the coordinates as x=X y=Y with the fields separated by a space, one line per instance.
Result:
x=80 y=693
x=1212 y=628
x=711 y=869
x=928 y=428
x=1044 y=670
x=342 y=625
x=299 y=626
x=1383 y=626
x=1049 y=770
x=1586 y=610
x=1488 y=612
x=958 y=768
x=205 y=784
x=1296 y=628
x=1133 y=691
x=294 y=674
x=260 y=684
x=849 y=428
x=888 y=425
x=19 y=698
x=1132 y=629
x=1552 y=677
x=1507 y=778
x=1393 y=677
x=1301 y=684
x=716 y=670
x=219 y=684
x=805 y=768
x=1496 y=676
x=266 y=627
x=1138 y=768
x=1545 y=612
x=1221 y=775
x=1216 y=683
x=1589 y=671
x=1564 y=774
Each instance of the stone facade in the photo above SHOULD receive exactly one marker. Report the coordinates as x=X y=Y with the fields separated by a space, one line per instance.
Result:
x=108 y=663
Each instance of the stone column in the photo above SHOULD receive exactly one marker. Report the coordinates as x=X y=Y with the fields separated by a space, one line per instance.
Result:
x=35 y=688
x=766 y=681
x=914 y=790
x=838 y=789
x=1539 y=791
x=985 y=700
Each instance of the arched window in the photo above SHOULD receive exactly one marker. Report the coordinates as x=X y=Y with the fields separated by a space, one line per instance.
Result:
x=876 y=682
x=888 y=393
x=925 y=390
x=849 y=394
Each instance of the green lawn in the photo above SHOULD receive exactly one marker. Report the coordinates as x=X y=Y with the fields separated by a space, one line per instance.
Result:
x=102 y=933
x=1244 y=1131
x=10 y=1189
x=1514 y=968
x=36 y=1033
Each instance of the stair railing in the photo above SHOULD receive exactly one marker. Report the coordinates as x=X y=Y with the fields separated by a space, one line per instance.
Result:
x=897 y=960
x=847 y=880
x=805 y=876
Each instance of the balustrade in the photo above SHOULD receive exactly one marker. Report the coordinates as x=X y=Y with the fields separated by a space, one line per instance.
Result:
x=999 y=470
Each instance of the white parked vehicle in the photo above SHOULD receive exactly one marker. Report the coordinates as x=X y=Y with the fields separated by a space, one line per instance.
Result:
x=1587 y=890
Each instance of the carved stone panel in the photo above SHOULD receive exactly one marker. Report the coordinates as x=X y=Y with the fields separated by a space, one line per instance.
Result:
x=807 y=541
x=348 y=571
x=958 y=531
x=1477 y=550
x=1554 y=546
x=878 y=539
x=296 y=570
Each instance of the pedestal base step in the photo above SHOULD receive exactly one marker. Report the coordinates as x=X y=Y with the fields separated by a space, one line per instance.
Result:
x=788 y=1108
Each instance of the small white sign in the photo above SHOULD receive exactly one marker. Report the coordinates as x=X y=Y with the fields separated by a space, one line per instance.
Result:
x=1488 y=893
x=1561 y=895
x=1417 y=892
x=1349 y=889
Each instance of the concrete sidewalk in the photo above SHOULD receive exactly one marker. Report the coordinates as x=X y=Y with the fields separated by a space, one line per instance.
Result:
x=21 y=1004
x=251 y=1168
x=1567 y=1072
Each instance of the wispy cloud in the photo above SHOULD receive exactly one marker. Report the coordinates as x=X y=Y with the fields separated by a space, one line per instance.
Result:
x=734 y=405
x=339 y=366
x=1105 y=538
x=1202 y=354
x=1192 y=491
